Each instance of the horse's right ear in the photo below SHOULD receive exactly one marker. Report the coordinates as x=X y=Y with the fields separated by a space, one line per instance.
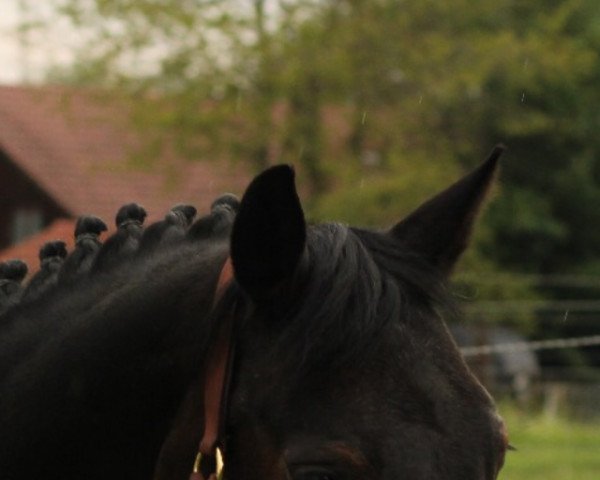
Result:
x=269 y=233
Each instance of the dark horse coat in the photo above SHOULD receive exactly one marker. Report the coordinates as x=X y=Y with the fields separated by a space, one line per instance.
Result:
x=344 y=368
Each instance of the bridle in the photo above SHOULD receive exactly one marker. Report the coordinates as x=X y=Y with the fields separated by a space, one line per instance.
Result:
x=209 y=460
x=212 y=393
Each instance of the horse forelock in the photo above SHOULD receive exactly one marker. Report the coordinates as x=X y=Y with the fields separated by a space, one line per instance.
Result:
x=352 y=288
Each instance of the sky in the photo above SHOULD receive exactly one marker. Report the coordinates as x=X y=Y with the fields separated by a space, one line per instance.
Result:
x=11 y=70
x=26 y=62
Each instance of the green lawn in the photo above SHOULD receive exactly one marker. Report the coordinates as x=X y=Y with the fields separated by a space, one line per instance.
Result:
x=551 y=449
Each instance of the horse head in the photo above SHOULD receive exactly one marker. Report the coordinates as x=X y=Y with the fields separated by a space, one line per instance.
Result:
x=344 y=368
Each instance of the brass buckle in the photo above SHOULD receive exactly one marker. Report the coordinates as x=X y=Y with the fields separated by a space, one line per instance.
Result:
x=219 y=458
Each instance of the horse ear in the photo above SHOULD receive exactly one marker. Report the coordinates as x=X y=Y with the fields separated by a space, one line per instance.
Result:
x=269 y=232
x=439 y=230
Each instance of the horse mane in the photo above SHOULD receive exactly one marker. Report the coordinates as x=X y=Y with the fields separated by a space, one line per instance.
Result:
x=140 y=323
x=30 y=327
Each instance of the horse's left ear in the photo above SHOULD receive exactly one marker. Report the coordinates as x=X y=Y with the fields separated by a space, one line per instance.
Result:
x=269 y=232
x=439 y=230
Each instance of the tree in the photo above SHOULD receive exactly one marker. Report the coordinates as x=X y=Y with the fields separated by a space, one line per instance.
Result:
x=370 y=95
x=544 y=108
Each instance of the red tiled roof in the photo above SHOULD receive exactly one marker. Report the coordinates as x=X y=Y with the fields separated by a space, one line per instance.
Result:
x=78 y=150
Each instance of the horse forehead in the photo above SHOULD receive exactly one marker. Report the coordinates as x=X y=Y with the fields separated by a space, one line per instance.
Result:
x=391 y=408
x=367 y=393
x=388 y=388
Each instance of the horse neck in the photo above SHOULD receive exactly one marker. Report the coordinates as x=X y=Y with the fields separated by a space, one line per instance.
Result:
x=140 y=344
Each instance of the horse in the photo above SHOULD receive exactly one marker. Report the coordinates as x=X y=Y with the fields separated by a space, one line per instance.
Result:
x=340 y=364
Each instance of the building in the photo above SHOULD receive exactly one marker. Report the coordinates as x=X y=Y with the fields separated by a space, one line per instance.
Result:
x=64 y=153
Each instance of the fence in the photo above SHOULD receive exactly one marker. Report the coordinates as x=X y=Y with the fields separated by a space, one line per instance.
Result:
x=566 y=391
x=567 y=380
x=587 y=341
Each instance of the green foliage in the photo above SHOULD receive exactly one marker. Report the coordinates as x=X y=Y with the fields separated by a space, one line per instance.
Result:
x=380 y=197
x=521 y=217
x=379 y=102
x=545 y=112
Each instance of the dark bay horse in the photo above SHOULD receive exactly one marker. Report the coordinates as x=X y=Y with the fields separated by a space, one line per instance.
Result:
x=343 y=367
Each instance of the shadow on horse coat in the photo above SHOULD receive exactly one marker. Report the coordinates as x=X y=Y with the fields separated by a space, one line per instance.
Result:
x=344 y=368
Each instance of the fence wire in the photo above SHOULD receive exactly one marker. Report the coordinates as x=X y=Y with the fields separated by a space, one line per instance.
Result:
x=574 y=342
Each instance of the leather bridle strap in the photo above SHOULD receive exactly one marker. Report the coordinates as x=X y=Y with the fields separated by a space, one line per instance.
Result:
x=216 y=388
x=225 y=278
x=211 y=392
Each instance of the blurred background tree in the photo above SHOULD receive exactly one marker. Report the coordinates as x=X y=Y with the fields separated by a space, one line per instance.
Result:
x=380 y=103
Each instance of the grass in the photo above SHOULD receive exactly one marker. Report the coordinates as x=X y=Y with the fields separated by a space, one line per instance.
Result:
x=551 y=448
